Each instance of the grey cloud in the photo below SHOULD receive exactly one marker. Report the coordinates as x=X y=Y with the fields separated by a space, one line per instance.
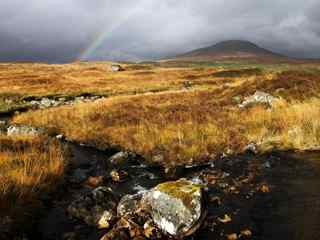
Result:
x=59 y=30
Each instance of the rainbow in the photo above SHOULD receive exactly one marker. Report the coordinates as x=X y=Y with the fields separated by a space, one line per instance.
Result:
x=106 y=32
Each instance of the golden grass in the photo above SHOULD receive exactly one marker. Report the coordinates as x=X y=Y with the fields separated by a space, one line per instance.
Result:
x=184 y=127
x=75 y=78
x=287 y=127
x=29 y=166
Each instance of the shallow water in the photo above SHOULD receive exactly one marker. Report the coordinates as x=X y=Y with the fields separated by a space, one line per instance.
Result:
x=296 y=213
x=291 y=211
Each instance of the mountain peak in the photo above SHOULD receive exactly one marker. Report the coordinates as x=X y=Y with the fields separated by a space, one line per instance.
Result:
x=230 y=49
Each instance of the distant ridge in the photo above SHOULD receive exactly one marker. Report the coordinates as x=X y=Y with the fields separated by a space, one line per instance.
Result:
x=232 y=49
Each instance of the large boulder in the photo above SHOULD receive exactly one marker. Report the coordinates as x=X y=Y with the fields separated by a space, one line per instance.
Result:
x=96 y=208
x=176 y=207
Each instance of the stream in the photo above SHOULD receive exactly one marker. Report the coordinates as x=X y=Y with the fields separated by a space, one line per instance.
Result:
x=291 y=210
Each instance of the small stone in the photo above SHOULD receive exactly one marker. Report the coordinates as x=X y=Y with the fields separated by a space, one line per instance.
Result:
x=251 y=147
x=134 y=229
x=226 y=219
x=121 y=158
x=158 y=159
x=60 y=137
x=118 y=176
x=94 y=181
x=116 y=234
x=151 y=231
x=246 y=233
x=232 y=236
x=264 y=188
x=215 y=200
x=105 y=219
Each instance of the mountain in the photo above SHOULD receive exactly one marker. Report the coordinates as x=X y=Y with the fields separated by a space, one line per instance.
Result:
x=228 y=50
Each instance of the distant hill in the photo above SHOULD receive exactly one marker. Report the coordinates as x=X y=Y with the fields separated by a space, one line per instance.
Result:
x=228 y=50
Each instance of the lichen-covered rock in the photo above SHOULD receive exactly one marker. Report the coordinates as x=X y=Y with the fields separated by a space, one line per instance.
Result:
x=97 y=208
x=176 y=207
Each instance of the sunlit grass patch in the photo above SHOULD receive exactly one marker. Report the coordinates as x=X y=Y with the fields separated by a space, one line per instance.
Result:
x=29 y=166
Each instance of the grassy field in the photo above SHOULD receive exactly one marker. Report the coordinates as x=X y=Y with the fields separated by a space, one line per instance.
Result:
x=191 y=114
x=169 y=114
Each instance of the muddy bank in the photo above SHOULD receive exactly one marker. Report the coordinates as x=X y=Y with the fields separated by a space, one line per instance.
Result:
x=273 y=196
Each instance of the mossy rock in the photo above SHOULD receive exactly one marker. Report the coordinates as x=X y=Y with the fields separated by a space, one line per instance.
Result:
x=176 y=207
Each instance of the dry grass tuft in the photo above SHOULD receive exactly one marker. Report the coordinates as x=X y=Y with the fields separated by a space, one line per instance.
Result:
x=29 y=166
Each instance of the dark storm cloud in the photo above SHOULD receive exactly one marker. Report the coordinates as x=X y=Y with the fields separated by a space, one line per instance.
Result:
x=59 y=30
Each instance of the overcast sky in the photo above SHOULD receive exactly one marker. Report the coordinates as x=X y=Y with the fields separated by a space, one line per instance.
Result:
x=66 y=30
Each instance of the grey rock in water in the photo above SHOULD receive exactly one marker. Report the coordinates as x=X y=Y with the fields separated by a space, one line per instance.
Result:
x=258 y=98
x=176 y=207
x=96 y=208
x=121 y=158
x=129 y=204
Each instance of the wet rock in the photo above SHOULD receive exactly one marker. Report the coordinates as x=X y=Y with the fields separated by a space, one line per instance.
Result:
x=70 y=236
x=246 y=233
x=116 y=234
x=121 y=158
x=151 y=231
x=176 y=207
x=129 y=204
x=119 y=176
x=258 y=98
x=158 y=158
x=232 y=236
x=96 y=208
x=133 y=228
x=252 y=148
x=94 y=181
x=23 y=130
